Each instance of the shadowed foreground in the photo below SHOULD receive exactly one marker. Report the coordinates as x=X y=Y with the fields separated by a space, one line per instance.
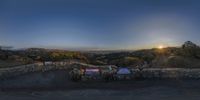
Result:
x=147 y=93
x=56 y=85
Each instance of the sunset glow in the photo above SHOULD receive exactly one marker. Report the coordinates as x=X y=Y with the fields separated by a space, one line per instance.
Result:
x=98 y=25
x=160 y=47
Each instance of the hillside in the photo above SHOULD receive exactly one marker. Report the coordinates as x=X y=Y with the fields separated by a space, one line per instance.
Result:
x=188 y=55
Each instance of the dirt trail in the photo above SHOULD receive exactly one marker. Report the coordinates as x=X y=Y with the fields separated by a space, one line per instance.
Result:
x=55 y=84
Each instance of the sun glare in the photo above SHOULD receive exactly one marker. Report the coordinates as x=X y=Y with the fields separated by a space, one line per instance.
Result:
x=160 y=47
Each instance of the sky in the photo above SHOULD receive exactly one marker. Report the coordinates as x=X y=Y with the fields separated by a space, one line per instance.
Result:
x=98 y=24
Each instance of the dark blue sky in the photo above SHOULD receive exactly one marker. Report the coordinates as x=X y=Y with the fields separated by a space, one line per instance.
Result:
x=98 y=24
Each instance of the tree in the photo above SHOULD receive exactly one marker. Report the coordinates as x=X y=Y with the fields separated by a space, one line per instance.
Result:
x=190 y=49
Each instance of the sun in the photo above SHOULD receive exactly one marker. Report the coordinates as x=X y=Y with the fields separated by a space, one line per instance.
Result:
x=160 y=47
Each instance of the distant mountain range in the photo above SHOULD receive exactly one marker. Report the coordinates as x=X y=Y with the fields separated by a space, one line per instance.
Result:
x=188 y=55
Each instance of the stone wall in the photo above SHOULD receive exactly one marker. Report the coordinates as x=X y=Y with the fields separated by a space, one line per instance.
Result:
x=164 y=73
x=19 y=70
x=145 y=73
x=38 y=67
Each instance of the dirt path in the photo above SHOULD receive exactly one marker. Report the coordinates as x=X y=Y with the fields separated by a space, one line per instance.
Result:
x=152 y=92
x=54 y=85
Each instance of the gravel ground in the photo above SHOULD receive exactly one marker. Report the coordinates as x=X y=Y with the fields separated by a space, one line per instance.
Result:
x=55 y=85
x=148 y=93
